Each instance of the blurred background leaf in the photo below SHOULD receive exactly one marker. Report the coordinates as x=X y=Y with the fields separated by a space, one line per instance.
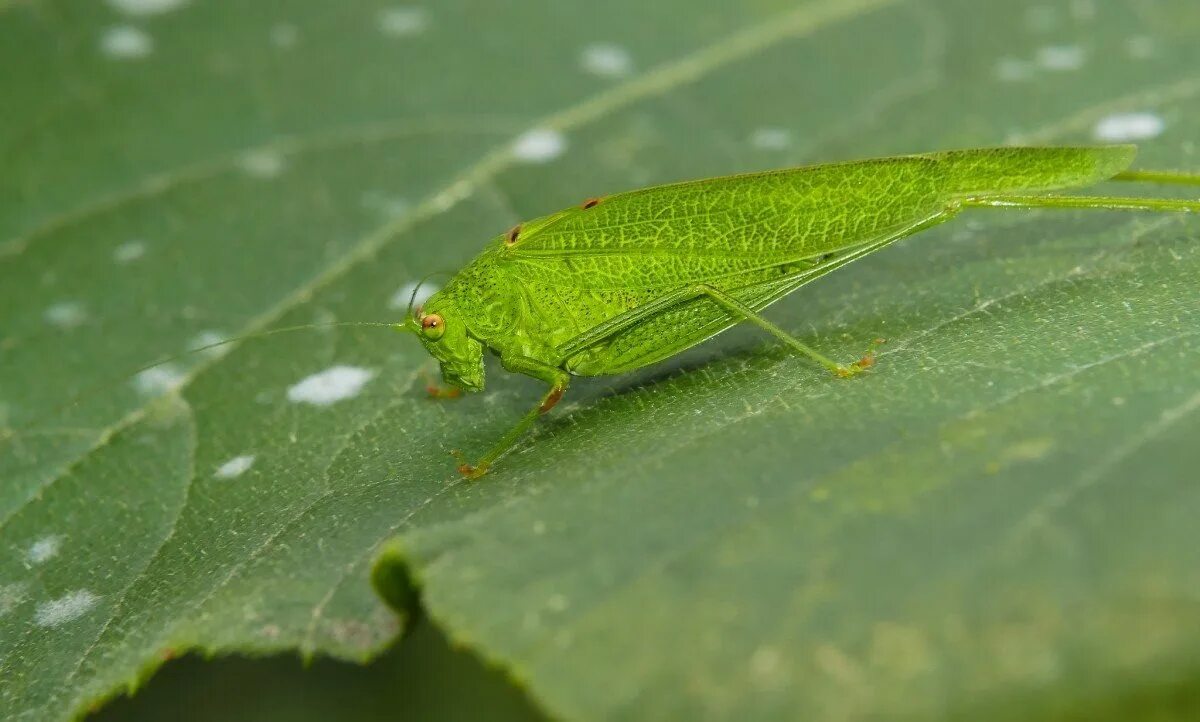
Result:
x=998 y=521
x=421 y=679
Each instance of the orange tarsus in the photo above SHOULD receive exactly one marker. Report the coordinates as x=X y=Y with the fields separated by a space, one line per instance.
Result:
x=466 y=468
x=551 y=400
x=868 y=359
x=437 y=391
x=472 y=472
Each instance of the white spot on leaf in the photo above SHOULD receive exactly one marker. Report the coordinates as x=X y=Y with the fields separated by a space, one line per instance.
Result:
x=1013 y=70
x=205 y=339
x=235 y=467
x=330 y=386
x=1123 y=127
x=159 y=379
x=67 y=314
x=146 y=7
x=129 y=252
x=403 y=21
x=770 y=138
x=606 y=60
x=1061 y=57
x=765 y=663
x=11 y=596
x=262 y=163
x=400 y=298
x=43 y=550
x=284 y=35
x=386 y=205
x=65 y=609
x=126 y=42
x=1140 y=47
x=539 y=145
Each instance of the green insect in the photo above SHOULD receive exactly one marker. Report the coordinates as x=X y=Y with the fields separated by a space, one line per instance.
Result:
x=621 y=282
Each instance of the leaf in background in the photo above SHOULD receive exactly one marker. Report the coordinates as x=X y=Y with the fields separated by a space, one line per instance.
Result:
x=421 y=679
x=1000 y=512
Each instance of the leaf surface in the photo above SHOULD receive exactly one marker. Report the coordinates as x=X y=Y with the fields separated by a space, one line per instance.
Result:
x=1000 y=511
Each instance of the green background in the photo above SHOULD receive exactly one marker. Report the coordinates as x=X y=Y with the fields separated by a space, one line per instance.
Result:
x=997 y=523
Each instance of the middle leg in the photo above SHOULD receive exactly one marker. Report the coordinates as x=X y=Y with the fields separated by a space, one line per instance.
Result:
x=734 y=306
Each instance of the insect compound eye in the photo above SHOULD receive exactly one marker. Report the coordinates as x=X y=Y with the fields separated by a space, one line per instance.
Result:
x=432 y=326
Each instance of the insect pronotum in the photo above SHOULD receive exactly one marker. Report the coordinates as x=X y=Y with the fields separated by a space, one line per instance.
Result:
x=616 y=283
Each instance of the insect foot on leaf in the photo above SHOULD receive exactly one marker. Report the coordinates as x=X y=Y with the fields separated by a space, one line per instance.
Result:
x=443 y=392
x=437 y=390
x=466 y=468
x=470 y=472
x=864 y=363
x=868 y=358
x=848 y=372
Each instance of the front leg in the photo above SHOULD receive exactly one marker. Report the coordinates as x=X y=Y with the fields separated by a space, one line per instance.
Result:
x=558 y=380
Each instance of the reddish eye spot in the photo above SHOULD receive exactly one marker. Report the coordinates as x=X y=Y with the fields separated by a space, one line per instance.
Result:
x=590 y=203
x=432 y=326
x=513 y=233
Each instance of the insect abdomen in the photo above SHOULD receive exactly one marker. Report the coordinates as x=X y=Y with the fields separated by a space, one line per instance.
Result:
x=999 y=171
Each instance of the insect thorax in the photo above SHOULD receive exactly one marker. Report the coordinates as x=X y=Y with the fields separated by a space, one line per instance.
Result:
x=512 y=311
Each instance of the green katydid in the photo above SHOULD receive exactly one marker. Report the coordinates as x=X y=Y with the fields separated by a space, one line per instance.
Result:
x=622 y=282
x=625 y=281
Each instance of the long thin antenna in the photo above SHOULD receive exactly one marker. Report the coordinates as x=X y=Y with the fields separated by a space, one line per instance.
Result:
x=412 y=299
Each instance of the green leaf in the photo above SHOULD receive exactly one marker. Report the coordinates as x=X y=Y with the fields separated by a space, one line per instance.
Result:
x=995 y=523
